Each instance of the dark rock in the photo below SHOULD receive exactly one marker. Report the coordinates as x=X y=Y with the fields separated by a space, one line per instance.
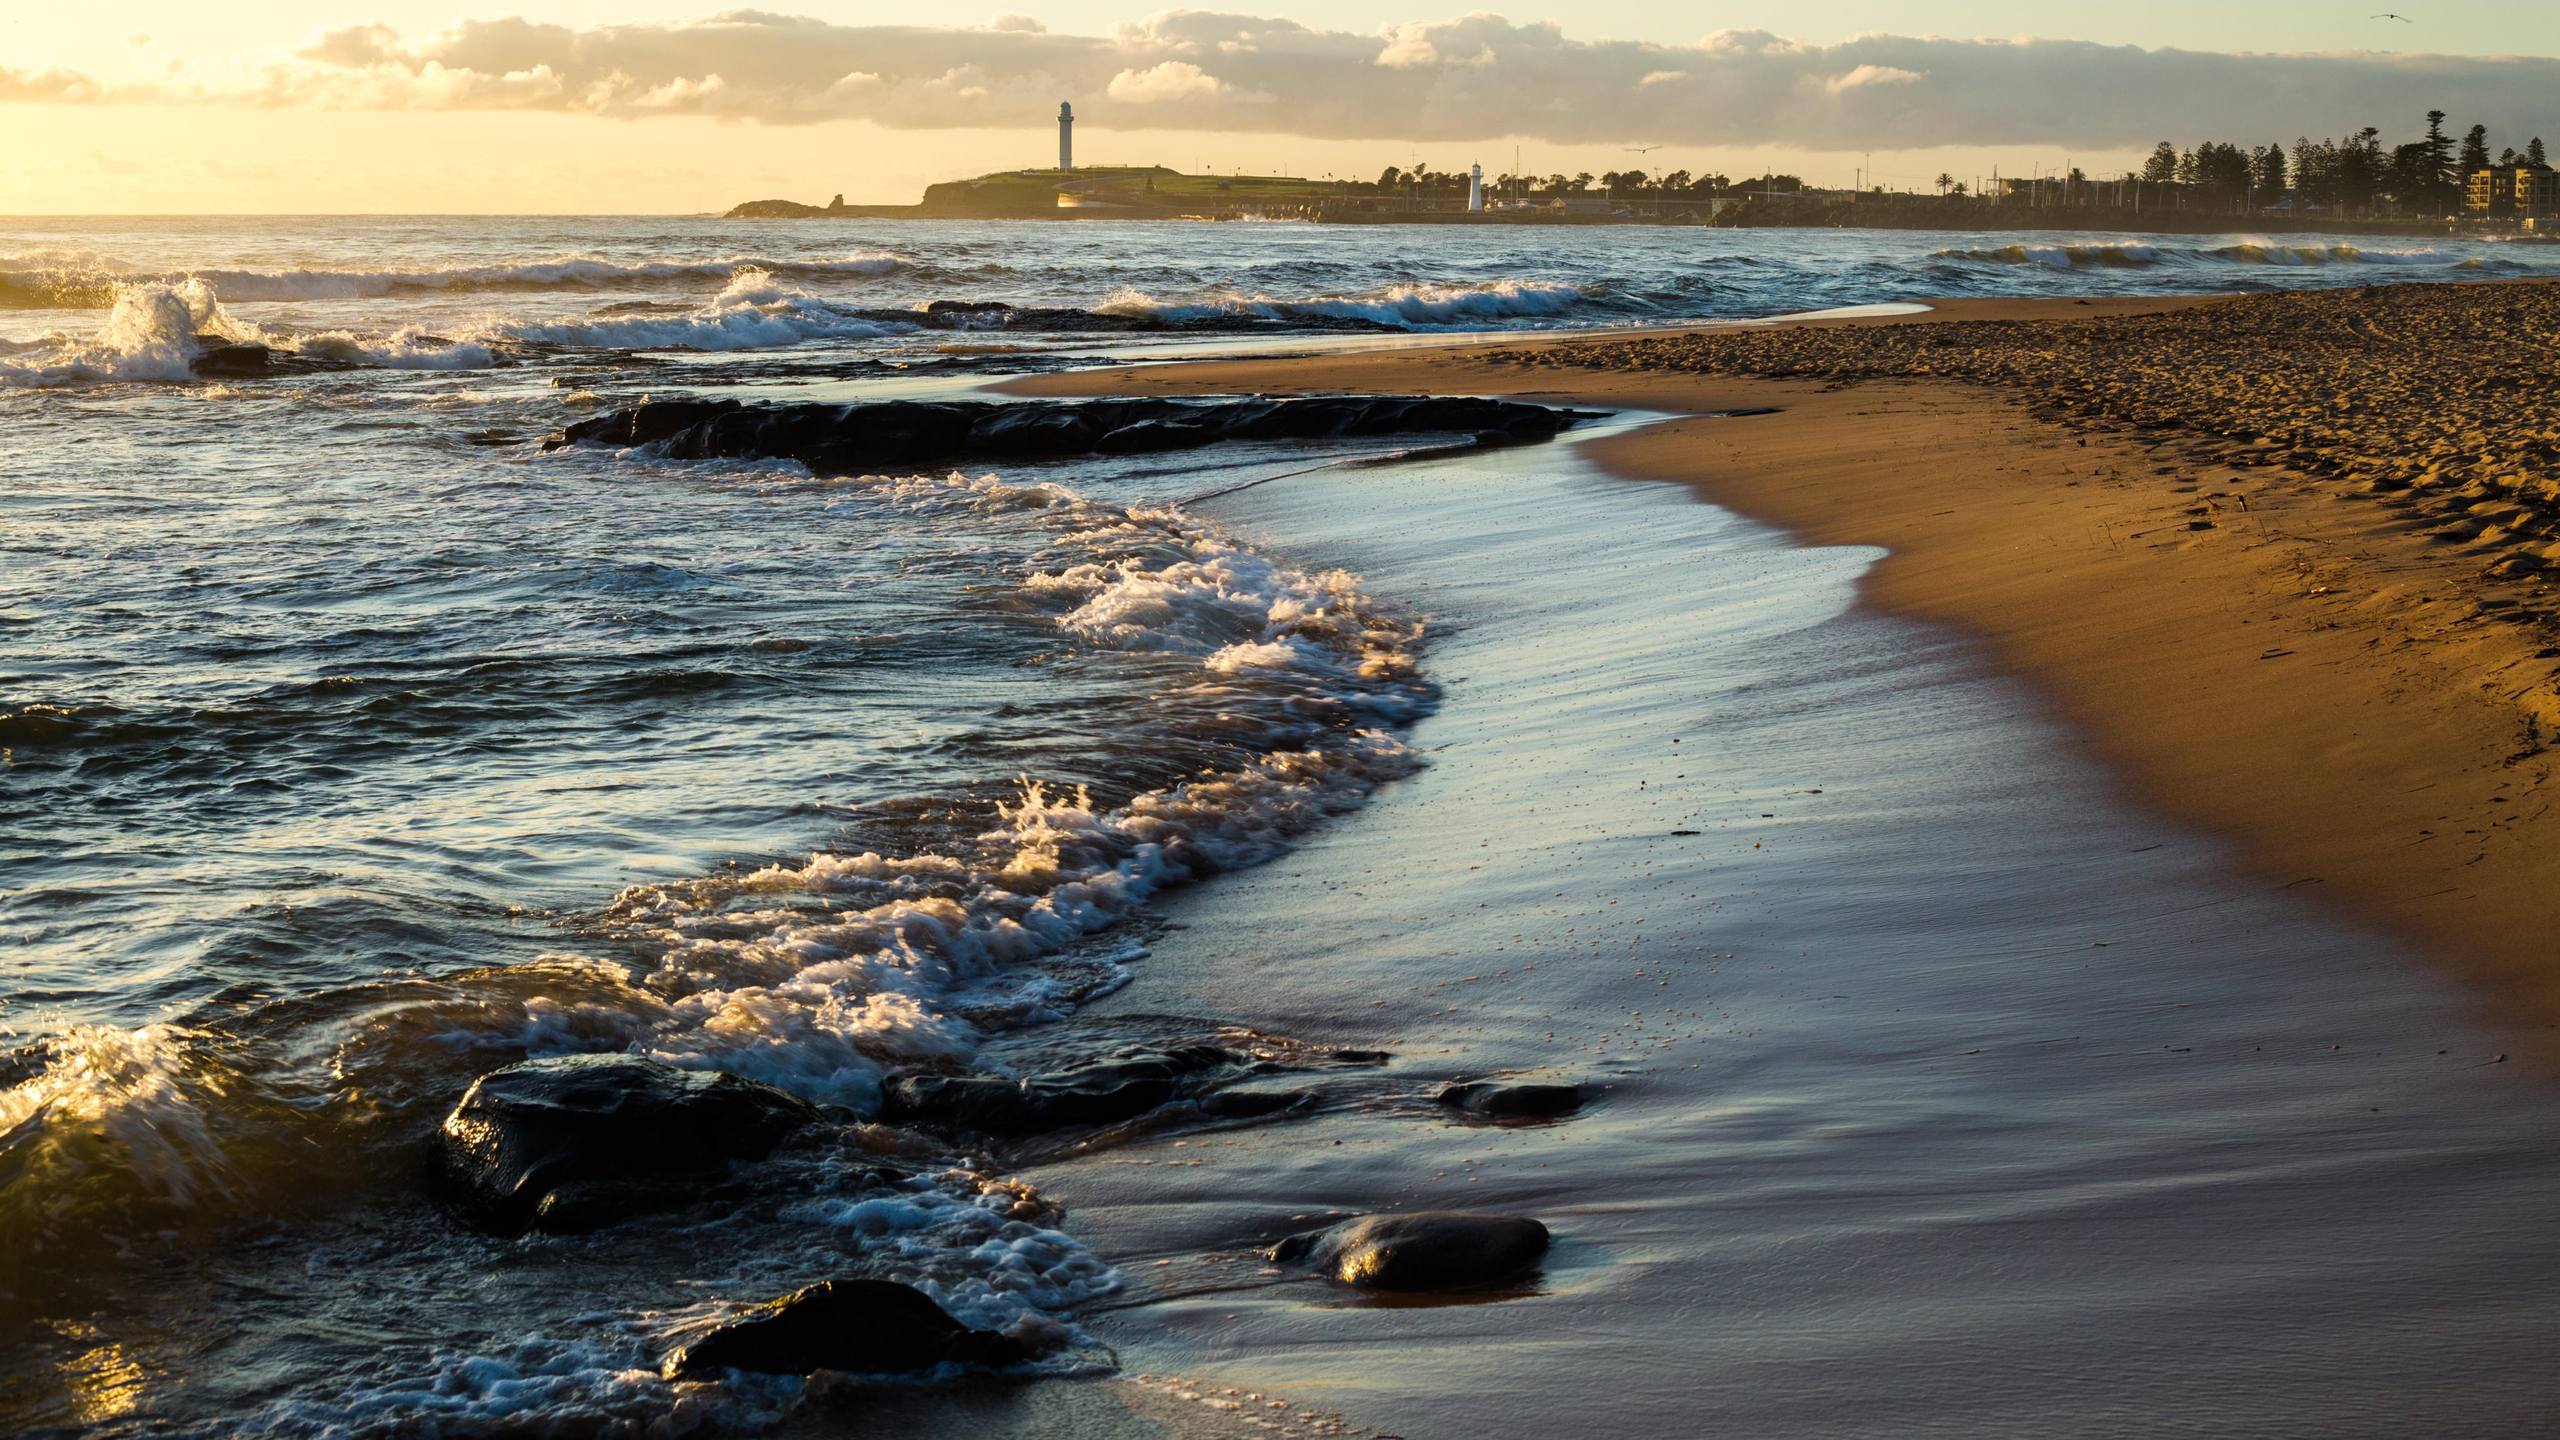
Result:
x=220 y=359
x=1117 y=1087
x=1427 y=1250
x=866 y=1327
x=967 y=307
x=1513 y=1102
x=841 y=439
x=580 y=1141
x=231 y=362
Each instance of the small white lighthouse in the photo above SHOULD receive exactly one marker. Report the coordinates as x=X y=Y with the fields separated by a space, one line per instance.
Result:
x=1066 y=136
x=1475 y=187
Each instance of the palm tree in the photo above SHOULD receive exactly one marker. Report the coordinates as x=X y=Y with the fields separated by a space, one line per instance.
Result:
x=1945 y=182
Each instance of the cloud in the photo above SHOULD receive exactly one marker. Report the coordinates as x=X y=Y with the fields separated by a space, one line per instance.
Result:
x=1169 y=80
x=1471 y=77
x=355 y=45
x=53 y=85
x=1866 y=75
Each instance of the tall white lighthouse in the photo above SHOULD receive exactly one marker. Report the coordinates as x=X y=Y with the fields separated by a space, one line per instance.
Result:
x=1066 y=136
x=1475 y=187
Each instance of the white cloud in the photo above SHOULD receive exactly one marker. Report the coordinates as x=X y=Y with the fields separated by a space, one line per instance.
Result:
x=1867 y=75
x=1469 y=77
x=1168 y=81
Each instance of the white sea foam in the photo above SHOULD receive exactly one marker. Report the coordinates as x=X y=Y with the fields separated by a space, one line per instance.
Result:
x=150 y=334
x=754 y=311
x=155 y=332
x=819 y=976
x=962 y=1240
x=68 y=278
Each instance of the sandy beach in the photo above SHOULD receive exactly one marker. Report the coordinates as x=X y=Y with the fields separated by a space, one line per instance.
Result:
x=2276 y=559
x=1946 y=1086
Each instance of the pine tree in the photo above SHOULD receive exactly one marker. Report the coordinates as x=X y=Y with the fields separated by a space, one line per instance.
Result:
x=2533 y=153
x=2162 y=167
x=2438 y=186
x=2439 y=151
x=2267 y=173
x=2475 y=153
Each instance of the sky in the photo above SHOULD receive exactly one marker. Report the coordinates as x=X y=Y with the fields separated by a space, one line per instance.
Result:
x=645 y=106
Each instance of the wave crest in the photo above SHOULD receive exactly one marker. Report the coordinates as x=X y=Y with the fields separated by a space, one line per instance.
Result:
x=48 y=282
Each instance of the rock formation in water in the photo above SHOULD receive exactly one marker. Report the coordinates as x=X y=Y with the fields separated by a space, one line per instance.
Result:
x=866 y=1327
x=857 y=438
x=575 y=1142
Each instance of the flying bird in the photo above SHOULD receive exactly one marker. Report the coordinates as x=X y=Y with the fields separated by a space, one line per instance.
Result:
x=1642 y=149
x=2392 y=15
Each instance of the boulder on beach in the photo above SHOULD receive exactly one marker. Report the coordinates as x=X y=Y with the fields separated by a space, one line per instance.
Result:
x=575 y=1142
x=1494 y=1100
x=1425 y=1250
x=864 y=1327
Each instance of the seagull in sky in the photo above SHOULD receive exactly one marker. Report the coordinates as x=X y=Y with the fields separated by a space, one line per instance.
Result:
x=2392 y=15
x=1642 y=149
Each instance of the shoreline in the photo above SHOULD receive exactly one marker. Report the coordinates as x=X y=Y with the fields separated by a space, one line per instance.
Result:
x=2304 y=671
x=1909 y=1038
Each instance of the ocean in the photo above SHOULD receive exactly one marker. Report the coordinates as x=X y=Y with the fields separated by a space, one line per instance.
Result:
x=356 y=745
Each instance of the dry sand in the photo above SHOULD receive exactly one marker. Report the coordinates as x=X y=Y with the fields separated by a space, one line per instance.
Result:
x=2276 y=558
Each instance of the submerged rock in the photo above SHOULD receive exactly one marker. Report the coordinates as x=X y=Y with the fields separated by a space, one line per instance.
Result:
x=232 y=361
x=220 y=359
x=1496 y=1101
x=853 y=439
x=1426 y=1250
x=580 y=1141
x=1120 y=1086
x=867 y=1327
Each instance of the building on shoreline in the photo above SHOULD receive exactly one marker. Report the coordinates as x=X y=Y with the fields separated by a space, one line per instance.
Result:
x=2522 y=191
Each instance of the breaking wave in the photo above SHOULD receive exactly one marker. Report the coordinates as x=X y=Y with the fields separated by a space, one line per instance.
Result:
x=2057 y=257
x=86 y=282
x=155 y=333
x=753 y=311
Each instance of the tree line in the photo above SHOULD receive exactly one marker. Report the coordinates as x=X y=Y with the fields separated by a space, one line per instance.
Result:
x=2354 y=174
x=2351 y=174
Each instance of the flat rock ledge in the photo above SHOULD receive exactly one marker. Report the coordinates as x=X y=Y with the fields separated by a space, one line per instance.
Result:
x=853 y=439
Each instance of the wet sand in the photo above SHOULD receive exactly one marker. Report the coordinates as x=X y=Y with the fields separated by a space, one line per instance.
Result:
x=2060 y=982
x=2350 y=684
x=1949 y=1092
